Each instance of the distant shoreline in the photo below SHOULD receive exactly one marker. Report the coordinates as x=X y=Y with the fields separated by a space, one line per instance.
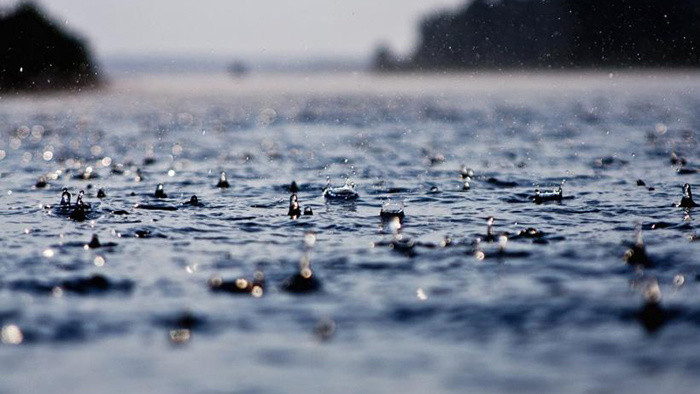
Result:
x=273 y=87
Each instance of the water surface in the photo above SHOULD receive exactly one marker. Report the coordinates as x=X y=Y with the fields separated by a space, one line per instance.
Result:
x=557 y=314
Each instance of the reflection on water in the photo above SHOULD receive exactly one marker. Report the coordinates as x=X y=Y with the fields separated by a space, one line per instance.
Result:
x=453 y=259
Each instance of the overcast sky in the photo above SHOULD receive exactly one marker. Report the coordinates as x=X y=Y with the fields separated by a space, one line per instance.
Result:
x=244 y=27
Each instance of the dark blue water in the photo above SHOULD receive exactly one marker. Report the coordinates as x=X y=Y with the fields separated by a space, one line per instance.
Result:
x=417 y=307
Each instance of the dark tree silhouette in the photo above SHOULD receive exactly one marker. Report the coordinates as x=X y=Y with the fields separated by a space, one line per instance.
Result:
x=636 y=32
x=37 y=54
x=557 y=34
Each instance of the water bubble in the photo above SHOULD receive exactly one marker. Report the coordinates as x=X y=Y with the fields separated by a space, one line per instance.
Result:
x=37 y=133
x=48 y=155
x=257 y=291
x=306 y=273
x=180 y=336
x=678 y=280
x=15 y=143
x=11 y=335
x=241 y=283
x=99 y=261
x=22 y=132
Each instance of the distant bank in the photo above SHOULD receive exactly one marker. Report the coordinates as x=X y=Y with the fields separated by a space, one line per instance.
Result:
x=39 y=54
x=556 y=34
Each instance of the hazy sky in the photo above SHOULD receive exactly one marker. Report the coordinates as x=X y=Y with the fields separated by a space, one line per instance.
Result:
x=244 y=27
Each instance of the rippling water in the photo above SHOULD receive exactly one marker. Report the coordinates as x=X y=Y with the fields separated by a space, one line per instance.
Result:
x=558 y=313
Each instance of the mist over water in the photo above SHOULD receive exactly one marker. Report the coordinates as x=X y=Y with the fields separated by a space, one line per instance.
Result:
x=403 y=306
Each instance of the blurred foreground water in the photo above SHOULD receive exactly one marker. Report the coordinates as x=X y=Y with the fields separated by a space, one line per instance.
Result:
x=415 y=307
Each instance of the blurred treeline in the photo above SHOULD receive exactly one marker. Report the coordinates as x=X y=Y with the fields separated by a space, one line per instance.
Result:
x=555 y=34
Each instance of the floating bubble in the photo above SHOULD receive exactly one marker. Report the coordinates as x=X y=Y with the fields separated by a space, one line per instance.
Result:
x=180 y=337
x=22 y=132
x=15 y=143
x=11 y=335
x=37 y=133
x=99 y=261
x=678 y=280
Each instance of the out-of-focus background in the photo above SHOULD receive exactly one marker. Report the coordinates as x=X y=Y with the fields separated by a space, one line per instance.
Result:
x=174 y=36
x=317 y=35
